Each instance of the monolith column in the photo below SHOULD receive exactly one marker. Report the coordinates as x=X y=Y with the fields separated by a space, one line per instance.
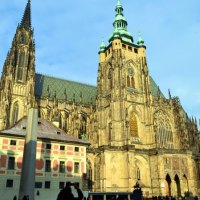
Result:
x=27 y=182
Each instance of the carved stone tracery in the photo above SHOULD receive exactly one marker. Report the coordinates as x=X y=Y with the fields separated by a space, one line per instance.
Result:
x=163 y=131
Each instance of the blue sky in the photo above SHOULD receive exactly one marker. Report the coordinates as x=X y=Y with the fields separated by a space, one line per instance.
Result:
x=68 y=34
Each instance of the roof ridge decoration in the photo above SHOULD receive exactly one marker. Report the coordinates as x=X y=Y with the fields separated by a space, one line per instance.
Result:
x=26 y=19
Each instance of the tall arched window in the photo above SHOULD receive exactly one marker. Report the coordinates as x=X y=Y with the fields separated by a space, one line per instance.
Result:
x=15 y=113
x=20 y=66
x=138 y=174
x=130 y=77
x=133 y=125
x=130 y=81
x=89 y=174
x=109 y=79
x=83 y=125
x=97 y=171
x=66 y=120
x=163 y=132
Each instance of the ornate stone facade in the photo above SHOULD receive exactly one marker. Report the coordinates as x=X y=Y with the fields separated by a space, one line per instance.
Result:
x=135 y=132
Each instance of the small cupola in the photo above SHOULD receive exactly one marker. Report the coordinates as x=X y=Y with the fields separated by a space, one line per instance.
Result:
x=140 y=41
x=102 y=47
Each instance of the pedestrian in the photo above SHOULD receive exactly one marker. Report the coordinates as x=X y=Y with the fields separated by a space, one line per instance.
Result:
x=15 y=197
x=66 y=192
x=25 y=197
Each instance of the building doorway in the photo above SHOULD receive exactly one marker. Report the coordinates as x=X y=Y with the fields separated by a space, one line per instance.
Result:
x=178 y=186
x=169 y=181
x=185 y=185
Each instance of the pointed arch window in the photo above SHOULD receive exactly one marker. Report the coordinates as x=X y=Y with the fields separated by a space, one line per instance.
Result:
x=138 y=174
x=66 y=120
x=22 y=38
x=49 y=113
x=89 y=174
x=133 y=125
x=130 y=77
x=163 y=131
x=83 y=127
x=15 y=113
x=110 y=79
x=130 y=81
x=20 y=66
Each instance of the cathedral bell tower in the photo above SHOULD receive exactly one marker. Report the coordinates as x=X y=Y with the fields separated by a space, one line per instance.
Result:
x=123 y=108
x=123 y=82
x=18 y=76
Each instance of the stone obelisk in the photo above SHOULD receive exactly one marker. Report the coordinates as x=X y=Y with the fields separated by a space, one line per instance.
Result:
x=27 y=181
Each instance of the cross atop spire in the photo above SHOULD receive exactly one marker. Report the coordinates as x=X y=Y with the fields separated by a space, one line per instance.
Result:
x=26 y=19
x=118 y=3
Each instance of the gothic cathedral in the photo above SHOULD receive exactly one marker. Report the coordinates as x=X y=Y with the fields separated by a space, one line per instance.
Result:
x=135 y=132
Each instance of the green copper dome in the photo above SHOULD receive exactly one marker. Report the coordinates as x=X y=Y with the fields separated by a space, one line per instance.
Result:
x=102 y=46
x=120 y=26
x=140 y=41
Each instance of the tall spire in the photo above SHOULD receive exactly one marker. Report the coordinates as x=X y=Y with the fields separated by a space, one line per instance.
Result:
x=26 y=19
x=120 y=25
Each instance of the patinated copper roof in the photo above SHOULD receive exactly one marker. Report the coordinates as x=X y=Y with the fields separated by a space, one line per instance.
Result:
x=45 y=84
x=46 y=130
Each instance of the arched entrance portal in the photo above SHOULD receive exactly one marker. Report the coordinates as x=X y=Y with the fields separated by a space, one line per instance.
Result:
x=169 y=181
x=185 y=186
x=178 y=187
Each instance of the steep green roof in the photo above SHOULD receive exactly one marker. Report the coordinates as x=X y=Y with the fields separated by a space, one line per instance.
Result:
x=46 y=84
x=155 y=88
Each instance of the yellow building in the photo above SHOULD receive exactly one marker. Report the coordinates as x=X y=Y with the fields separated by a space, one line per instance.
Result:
x=136 y=133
